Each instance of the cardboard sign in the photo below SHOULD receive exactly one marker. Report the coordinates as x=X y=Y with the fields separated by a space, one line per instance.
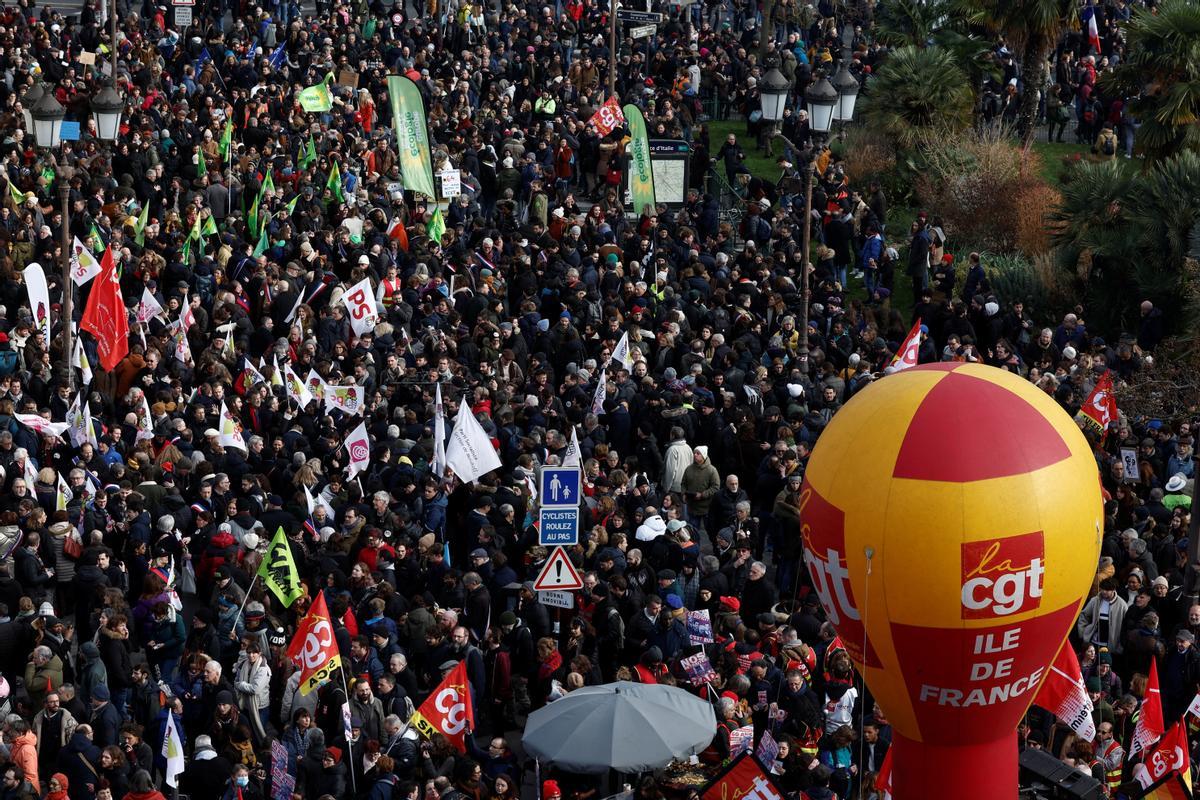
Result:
x=87 y=59
x=348 y=77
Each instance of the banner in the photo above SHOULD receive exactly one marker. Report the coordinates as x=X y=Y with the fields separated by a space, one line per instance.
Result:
x=105 y=317
x=641 y=172
x=358 y=447
x=470 y=453
x=448 y=709
x=622 y=353
x=296 y=389
x=145 y=425
x=315 y=98
x=349 y=399
x=1063 y=693
x=601 y=394
x=767 y=751
x=84 y=265
x=744 y=779
x=741 y=740
x=360 y=305
x=699 y=626
x=39 y=300
x=283 y=783
x=79 y=360
x=278 y=570
x=608 y=117
x=314 y=649
x=42 y=425
x=698 y=669
x=439 y=434
x=412 y=135
x=572 y=458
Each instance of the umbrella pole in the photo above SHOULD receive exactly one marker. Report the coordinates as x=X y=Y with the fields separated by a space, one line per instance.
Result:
x=537 y=778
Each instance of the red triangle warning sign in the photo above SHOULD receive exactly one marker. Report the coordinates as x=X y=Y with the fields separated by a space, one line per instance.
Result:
x=558 y=574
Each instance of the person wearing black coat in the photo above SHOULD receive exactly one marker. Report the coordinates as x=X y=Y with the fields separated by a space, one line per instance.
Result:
x=80 y=758
x=206 y=773
x=114 y=652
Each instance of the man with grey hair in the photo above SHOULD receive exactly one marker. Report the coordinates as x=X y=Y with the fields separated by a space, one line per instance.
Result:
x=477 y=605
x=43 y=674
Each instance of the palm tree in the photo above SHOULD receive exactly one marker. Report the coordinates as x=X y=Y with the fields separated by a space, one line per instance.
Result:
x=1034 y=26
x=911 y=22
x=1162 y=74
x=915 y=92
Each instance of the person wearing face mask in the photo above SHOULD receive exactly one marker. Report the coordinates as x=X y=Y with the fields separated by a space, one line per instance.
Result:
x=241 y=787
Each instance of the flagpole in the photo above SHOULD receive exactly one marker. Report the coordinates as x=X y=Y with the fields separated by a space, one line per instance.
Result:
x=245 y=600
x=349 y=745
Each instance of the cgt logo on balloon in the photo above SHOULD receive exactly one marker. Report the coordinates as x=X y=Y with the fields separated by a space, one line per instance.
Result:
x=1000 y=578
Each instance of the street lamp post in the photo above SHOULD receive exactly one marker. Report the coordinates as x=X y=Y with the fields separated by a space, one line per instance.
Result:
x=825 y=104
x=846 y=86
x=47 y=118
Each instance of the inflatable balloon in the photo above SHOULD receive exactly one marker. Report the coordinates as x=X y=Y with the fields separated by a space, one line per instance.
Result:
x=951 y=518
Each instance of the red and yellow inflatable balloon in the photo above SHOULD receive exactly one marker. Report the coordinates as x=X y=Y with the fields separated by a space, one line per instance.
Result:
x=952 y=519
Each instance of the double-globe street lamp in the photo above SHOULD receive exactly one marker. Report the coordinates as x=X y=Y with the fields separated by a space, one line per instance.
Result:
x=827 y=103
x=44 y=116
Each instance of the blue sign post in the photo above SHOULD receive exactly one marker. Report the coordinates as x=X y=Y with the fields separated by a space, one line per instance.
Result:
x=559 y=487
x=558 y=526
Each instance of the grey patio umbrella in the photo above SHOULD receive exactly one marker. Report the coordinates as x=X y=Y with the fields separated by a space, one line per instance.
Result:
x=630 y=727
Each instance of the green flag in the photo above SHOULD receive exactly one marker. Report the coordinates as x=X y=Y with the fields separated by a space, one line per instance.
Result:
x=16 y=194
x=315 y=98
x=291 y=206
x=140 y=227
x=226 y=143
x=97 y=239
x=210 y=226
x=412 y=135
x=252 y=218
x=197 y=235
x=334 y=184
x=641 y=173
x=263 y=243
x=201 y=164
x=436 y=226
x=308 y=157
x=268 y=184
x=278 y=570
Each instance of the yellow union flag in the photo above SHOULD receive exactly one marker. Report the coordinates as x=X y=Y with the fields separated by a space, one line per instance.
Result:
x=278 y=570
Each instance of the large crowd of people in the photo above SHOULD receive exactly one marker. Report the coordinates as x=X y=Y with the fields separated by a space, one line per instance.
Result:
x=127 y=597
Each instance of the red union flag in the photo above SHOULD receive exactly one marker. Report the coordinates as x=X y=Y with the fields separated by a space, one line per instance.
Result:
x=744 y=779
x=448 y=710
x=105 y=317
x=1064 y=694
x=909 y=351
x=1168 y=758
x=1150 y=722
x=608 y=117
x=314 y=648
x=1100 y=409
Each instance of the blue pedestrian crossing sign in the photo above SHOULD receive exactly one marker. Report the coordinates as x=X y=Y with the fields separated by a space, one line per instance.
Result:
x=560 y=487
x=558 y=526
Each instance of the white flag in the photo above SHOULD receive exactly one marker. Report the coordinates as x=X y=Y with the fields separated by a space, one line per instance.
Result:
x=146 y=423
x=348 y=399
x=360 y=304
x=231 y=431
x=149 y=308
x=79 y=357
x=89 y=427
x=84 y=265
x=187 y=318
x=42 y=425
x=296 y=307
x=255 y=375
x=276 y=373
x=30 y=472
x=39 y=300
x=316 y=384
x=318 y=500
x=439 y=435
x=63 y=495
x=622 y=354
x=573 y=456
x=76 y=422
x=358 y=447
x=172 y=751
x=296 y=389
x=470 y=453
x=600 y=396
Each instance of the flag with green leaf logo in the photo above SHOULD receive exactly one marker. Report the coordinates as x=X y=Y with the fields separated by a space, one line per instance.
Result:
x=412 y=135
x=315 y=98
x=436 y=226
x=641 y=173
x=334 y=184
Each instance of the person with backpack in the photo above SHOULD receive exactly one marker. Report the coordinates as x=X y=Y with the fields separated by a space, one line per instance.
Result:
x=1106 y=144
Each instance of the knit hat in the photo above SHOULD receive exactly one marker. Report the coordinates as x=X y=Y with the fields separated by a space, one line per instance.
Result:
x=550 y=789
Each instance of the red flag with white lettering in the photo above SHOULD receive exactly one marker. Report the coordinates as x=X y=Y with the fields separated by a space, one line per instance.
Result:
x=448 y=710
x=907 y=356
x=1100 y=408
x=1150 y=722
x=608 y=117
x=1063 y=693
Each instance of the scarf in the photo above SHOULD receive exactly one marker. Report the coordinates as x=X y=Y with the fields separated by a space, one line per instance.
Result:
x=549 y=667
